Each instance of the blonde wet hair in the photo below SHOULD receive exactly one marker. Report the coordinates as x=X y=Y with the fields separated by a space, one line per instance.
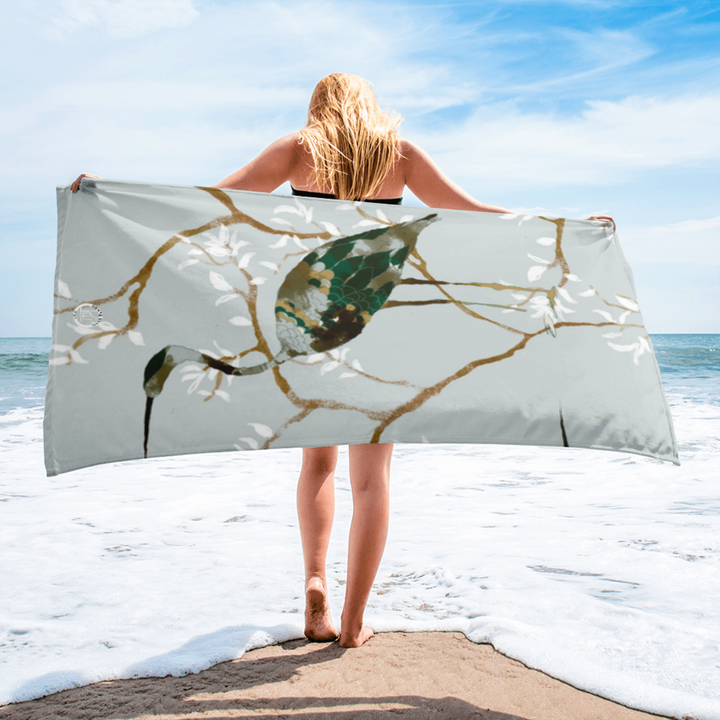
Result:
x=353 y=143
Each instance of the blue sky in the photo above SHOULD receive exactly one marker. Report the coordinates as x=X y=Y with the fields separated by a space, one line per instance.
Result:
x=570 y=108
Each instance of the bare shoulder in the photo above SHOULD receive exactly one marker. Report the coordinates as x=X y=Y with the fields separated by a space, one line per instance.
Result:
x=276 y=164
x=414 y=159
x=289 y=143
x=286 y=152
x=432 y=186
x=415 y=162
x=410 y=150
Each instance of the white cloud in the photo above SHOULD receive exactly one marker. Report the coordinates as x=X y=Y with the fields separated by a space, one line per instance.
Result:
x=609 y=48
x=186 y=91
x=180 y=104
x=241 y=74
x=168 y=96
x=583 y=3
x=118 y=18
x=687 y=242
x=609 y=142
x=589 y=57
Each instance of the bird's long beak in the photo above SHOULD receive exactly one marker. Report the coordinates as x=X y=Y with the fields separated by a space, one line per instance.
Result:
x=146 y=424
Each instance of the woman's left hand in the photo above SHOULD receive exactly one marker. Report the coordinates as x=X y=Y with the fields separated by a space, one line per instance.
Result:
x=603 y=217
x=76 y=185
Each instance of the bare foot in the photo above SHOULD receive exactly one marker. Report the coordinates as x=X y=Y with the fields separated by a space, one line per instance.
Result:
x=318 y=622
x=352 y=639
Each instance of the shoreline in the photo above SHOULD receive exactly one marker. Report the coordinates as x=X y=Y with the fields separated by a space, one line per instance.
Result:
x=176 y=563
x=418 y=675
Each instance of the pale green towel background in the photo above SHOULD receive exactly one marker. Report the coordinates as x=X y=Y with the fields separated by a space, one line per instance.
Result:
x=552 y=336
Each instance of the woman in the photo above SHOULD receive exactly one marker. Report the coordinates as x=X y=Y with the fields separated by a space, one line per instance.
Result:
x=349 y=149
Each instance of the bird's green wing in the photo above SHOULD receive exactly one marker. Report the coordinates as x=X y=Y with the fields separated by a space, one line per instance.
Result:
x=331 y=295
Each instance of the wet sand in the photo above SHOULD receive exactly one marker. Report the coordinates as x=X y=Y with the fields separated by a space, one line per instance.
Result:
x=412 y=675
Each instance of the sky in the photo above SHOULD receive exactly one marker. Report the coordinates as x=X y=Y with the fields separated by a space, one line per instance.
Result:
x=569 y=108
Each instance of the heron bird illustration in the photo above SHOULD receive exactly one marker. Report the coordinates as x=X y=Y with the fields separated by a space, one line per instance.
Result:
x=325 y=301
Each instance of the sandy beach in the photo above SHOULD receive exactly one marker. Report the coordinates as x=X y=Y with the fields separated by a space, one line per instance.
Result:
x=180 y=566
x=415 y=675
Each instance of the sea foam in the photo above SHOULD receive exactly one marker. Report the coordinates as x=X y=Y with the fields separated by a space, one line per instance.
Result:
x=601 y=569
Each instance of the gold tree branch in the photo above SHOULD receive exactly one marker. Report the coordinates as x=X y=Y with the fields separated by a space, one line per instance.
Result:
x=142 y=277
x=295 y=418
x=559 y=259
x=423 y=396
x=240 y=217
x=421 y=266
x=401 y=303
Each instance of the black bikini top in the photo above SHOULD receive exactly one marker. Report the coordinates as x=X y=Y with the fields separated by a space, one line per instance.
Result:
x=328 y=196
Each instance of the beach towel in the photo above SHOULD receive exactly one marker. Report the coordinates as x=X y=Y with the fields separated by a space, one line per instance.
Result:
x=195 y=319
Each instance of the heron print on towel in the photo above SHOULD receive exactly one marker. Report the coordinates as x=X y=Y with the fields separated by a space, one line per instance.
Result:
x=324 y=302
x=192 y=319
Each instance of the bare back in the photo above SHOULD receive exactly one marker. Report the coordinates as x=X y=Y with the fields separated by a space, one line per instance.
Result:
x=287 y=160
x=302 y=176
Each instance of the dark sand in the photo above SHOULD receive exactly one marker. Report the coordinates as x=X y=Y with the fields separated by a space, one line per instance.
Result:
x=410 y=675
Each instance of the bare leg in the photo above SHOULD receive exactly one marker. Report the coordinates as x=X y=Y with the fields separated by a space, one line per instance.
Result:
x=316 y=508
x=370 y=480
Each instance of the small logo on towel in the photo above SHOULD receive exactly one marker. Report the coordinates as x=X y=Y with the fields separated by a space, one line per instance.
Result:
x=87 y=314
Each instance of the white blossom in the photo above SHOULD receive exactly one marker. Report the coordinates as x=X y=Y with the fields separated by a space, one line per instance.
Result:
x=539 y=306
x=314 y=359
x=75 y=355
x=328 y=367
x=282 y=242
x=193 y=373
x=638 y=348
x=332 y=229
x=566 y=295
x=299 y=209
x=369 y=223
x=64 y=290
x=252 y=442
x=245 y=260
x=606 y=315
x=261 y=430
x=219 y=282
x=187 y=263
x=628 y=303
x=224 y=298
x=538 y=259
x=560 y=309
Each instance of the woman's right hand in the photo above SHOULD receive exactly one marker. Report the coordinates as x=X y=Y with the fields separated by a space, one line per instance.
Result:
x=76 y=185
x=606 y=218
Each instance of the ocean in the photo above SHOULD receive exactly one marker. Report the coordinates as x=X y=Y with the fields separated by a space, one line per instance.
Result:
x=601 y=569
